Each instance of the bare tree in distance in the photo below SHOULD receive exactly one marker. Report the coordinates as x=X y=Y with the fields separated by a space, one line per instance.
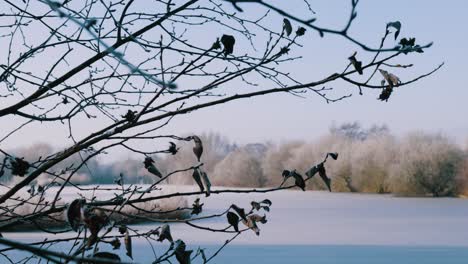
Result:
x=136 y=68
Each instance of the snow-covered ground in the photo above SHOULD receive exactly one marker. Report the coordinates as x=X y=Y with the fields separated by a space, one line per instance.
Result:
x=321 y=227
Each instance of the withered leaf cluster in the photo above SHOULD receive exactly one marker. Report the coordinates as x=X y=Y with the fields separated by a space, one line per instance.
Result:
x=19 y=166
x=265 y=205
x=288 y=28
x=392 y=81
x=78 y=214
x=319 y=168
x=197 y=207
x=130 y=116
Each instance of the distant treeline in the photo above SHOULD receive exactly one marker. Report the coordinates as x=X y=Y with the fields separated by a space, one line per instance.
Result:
x=370 y=160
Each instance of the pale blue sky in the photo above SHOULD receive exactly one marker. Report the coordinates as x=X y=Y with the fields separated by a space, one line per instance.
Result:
x=437 y=103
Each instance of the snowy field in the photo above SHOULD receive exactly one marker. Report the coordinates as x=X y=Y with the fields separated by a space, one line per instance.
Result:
x=321 y=227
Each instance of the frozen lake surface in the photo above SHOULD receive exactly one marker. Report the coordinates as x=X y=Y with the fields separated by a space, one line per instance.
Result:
x=321 y=227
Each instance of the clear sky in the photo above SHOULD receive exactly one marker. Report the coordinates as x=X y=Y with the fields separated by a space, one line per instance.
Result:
x=437 y=103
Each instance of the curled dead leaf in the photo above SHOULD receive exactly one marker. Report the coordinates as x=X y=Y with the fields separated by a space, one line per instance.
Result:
x=287 y=27
x=165 y=234
x=228 y=42
x=196 y=175
x=239 y=211
x=182 y=255
x=198 y=148
x=334 y=155
x=323 y=174
x=396 y=25
x=149 y=165
x=391 y=79
x=300 y=31
x=128 y=244
x=233 y=220
x=357 y=64
x=206 y=182
x=74 y=217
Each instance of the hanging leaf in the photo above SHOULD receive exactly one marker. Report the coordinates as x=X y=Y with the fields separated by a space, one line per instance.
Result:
x=196 y=207
x=197 y=177
x=385 y=95
x=323 y=174
x=396 y=25
x=165 y=234
x=233 y=220
x=128 y=244
x=74 y=213
x=228 y=43
x=287 y=26
x=182 y=255
x=198 y=148
x=149 y=165
x=206 y=182
x=357 y=64
x=239 y=211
